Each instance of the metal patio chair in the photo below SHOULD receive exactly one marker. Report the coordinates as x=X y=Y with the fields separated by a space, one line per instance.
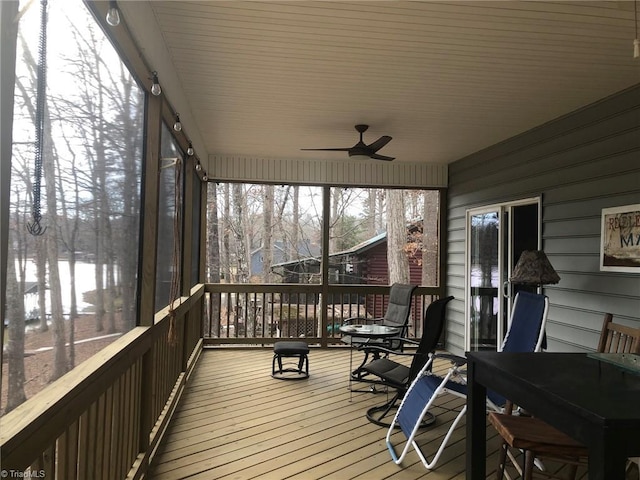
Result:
x=397 y=375
x=397 y=315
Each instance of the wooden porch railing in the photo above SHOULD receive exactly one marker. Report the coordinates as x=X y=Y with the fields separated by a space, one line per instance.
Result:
x=261 y=314
x=104 y=419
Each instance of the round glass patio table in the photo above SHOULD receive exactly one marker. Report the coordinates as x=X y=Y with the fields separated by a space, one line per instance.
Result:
x=370 y=331
x=360 y=335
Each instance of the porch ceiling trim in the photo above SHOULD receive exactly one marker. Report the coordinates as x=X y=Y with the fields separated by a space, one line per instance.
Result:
x=327 y=172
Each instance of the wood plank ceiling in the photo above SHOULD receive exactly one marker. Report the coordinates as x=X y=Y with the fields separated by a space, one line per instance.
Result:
x=444 y=79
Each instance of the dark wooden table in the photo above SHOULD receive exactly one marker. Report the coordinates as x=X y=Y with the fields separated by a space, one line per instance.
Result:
x=593 y=401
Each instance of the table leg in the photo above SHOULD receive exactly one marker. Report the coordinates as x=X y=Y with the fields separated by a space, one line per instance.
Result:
x=606 y=462
x=350 y=372
x=476 y=440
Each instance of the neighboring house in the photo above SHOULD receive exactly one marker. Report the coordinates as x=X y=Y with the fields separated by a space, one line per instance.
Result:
x=364 y=263
x=280 y=254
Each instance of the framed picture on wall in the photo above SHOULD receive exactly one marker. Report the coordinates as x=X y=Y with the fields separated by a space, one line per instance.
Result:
x=620 y=239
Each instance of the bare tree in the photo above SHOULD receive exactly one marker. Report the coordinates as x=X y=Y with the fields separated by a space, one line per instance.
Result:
x=430 y=237
x=213 y=234
x=335 y=220
x=130 y=122
x=69 y=233
x=295 y=224
x=91 y=74
x=41 y=275
x=241 y=255
x=60 y=362
x=370 y=210
x=267 y=233
x=239 y=231
x=46 y=149
x=26 y=88
x=15 y=344
x=213 y=250
x=226 y=233
x=396 y=238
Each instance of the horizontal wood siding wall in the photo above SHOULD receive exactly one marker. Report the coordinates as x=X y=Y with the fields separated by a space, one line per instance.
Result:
x=326 y=172
x=580 y=163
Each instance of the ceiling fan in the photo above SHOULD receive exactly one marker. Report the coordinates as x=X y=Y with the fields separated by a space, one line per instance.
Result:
x=361 y=149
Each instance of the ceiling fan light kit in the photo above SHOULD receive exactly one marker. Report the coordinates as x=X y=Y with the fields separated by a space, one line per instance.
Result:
x=361 y=150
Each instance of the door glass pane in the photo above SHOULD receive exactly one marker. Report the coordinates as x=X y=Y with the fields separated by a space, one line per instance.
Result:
x=524 y=235
x=484 y=280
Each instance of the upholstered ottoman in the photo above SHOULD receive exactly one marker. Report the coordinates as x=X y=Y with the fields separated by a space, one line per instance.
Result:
x=290 y=349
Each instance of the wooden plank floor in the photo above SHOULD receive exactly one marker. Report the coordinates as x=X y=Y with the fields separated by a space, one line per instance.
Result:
x=236 y=422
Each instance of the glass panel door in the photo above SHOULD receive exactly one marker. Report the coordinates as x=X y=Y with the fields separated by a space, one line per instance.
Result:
x=484 y=278
x=497 y=235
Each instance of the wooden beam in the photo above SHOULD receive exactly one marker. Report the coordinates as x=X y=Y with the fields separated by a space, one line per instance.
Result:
x=149 y=240
x=8 y=36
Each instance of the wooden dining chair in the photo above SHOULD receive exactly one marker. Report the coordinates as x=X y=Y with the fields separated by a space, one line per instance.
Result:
x=537 y=439
x=617 y=338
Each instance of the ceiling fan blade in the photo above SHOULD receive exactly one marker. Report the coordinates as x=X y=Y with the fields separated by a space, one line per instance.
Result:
x=378 y=144
x=375 y=156
x=328 y=149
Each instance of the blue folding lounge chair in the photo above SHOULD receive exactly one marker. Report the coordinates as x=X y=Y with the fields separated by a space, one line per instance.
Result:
x=525 y=334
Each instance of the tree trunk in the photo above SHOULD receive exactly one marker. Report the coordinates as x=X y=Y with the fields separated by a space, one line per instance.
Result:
x=294 y=252
x=370 y=221
x=267 y=234
x=335 y=234
x=15 y=345
x=240 y=235
x=226 y=233
x=213 y=240
x=109 y=260
x=99 y=269
x=111 y=296
x=213 y=252
x=128 y=257
x=41 y=272
x=431 y=223
x=381 y=198
x=241 y=252
x=60 y=363
x=396 y=238
x=73 y=313
x=69 y=231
